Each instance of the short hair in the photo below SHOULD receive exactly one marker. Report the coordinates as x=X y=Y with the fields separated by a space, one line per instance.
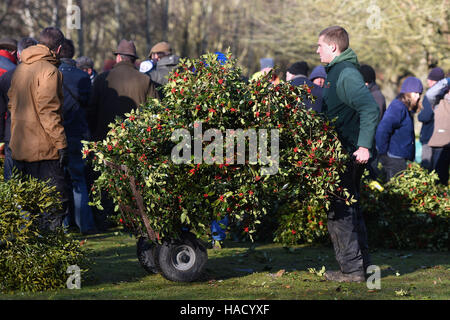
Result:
x=85 y=63
x=51 y=37
x=336 y=35
x=67 y=49
x=126 y=57
x=25 y=43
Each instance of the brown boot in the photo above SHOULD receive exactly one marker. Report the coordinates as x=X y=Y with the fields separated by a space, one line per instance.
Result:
x=344 y=277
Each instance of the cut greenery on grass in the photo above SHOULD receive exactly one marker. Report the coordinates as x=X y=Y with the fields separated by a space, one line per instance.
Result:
x=241 y=271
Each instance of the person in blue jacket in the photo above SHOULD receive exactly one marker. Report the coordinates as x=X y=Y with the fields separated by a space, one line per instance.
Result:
x=395 y=139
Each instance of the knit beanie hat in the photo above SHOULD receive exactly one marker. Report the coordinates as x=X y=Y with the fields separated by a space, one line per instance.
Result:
x=368 y=73
x=436 y=74
x=411 y=84
x=300 y=67
x=318 y=72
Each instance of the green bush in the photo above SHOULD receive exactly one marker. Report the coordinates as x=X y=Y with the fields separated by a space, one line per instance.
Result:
x=31 y=259
x=412 y=211
x=193 y=195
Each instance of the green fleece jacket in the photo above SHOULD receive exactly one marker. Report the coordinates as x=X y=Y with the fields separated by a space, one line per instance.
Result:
x=346 y=97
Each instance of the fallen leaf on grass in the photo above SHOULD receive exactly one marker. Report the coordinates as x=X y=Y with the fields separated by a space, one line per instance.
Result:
x=402 y=293
x=319 y=273
x=280 y=273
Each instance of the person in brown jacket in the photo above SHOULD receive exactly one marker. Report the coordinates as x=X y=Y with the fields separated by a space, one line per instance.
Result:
x=38 y=141
x=118 y=91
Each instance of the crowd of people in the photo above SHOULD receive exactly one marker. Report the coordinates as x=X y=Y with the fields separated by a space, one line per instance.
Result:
x=50 y=102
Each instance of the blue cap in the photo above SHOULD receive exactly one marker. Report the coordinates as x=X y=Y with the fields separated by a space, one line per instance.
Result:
x=266 y=63
x=221 y=57
x=411 y=84
x=318 y=72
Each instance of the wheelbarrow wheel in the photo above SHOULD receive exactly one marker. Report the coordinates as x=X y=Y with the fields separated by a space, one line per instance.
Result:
x=147 y=253
x=182 y=260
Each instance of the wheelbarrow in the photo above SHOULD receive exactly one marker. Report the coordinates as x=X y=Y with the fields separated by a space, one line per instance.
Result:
x=182 y=259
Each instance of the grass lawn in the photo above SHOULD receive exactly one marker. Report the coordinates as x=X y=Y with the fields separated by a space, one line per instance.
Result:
x=242 y=272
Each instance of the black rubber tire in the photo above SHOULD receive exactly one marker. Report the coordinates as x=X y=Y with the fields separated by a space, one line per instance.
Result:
x=147 y=253
x=182 y=260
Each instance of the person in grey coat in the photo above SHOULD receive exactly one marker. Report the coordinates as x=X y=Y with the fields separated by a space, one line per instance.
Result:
x=161 y=64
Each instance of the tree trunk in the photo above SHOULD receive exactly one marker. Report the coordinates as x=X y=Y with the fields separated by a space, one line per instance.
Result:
x=165 y=22
x=117 y=12
x=55 y=15
x=81 y=30
x=148 y=19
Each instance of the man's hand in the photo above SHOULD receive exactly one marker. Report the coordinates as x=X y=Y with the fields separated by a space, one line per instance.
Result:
x=362 y=155
x=2 y=150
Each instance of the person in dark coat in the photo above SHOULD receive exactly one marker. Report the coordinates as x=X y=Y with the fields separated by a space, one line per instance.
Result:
x=346 y=98
x=114 y=93
x=395 y=137
x=369 y=77
x=5 y=115
x=296 y=74
x=76 y=90
x=118 y=91
x=426 y=115
x=87 y=65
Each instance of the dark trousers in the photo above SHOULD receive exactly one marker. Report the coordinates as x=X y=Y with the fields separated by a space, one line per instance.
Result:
x=346 y=225
x=8 y=165
x=48 y=170
x=441 y=163
x=392 y=166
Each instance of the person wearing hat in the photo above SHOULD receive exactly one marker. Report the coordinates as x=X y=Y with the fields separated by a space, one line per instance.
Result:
x=38 y=141
x=370 y=77
x=8 y=60
x=161 y=62
x=395 y=139
x=318 y=76
x=87 y=65
x=266 y=65
x=426 y=115
x=118 y=91
x=114 y=93
x=296 y=74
